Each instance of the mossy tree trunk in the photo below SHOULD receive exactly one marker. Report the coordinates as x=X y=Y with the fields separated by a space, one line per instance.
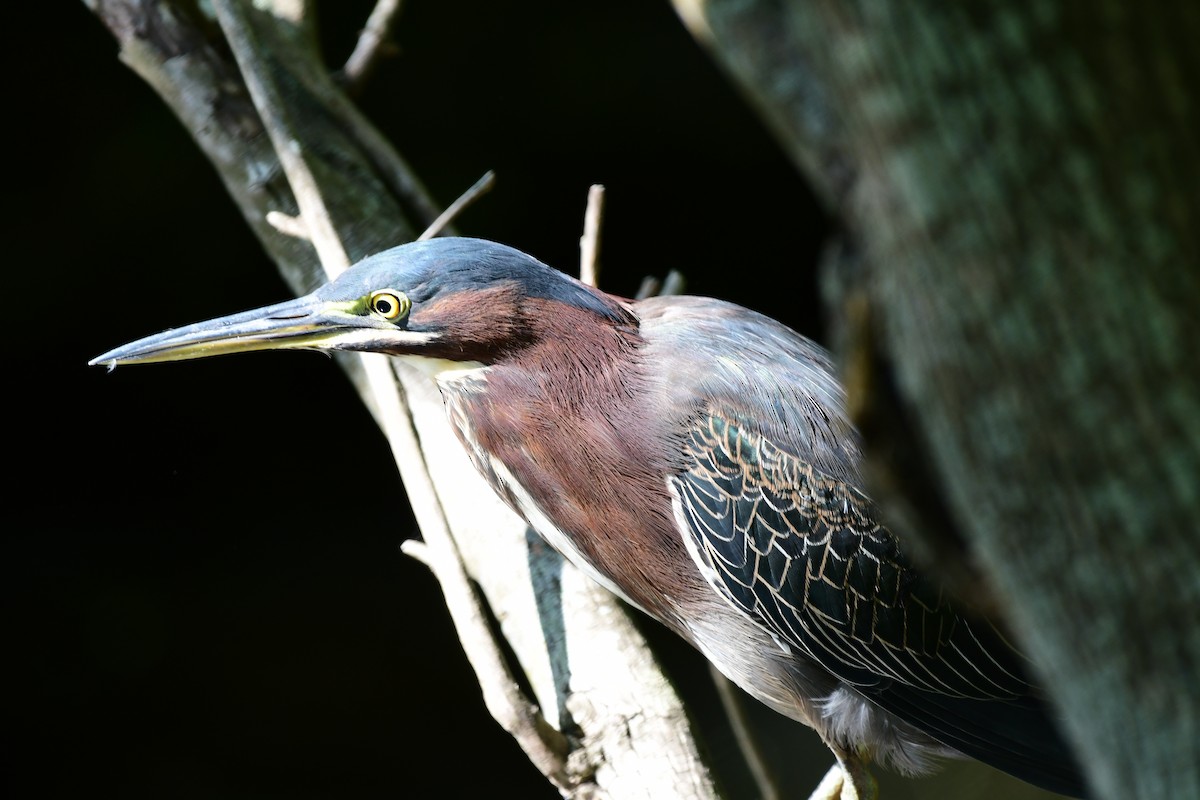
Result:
x=1017 y=306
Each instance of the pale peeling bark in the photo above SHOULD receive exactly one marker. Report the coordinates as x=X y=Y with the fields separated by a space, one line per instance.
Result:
x=606 y=723
x=1021 y=320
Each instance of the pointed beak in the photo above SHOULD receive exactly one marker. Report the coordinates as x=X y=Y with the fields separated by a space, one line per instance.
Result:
x=305 y=323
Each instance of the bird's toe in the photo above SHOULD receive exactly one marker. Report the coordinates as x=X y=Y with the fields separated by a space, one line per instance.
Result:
x=848 y=779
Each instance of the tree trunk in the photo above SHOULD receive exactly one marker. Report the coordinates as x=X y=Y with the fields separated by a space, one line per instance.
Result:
x=1017 y=299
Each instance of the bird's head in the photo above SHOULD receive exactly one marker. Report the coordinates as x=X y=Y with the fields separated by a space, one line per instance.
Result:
x=456 y=299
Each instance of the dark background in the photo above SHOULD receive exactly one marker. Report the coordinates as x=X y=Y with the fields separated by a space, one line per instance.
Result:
x=204 y=592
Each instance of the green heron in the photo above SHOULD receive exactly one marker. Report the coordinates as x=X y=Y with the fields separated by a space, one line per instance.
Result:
x=694 y=457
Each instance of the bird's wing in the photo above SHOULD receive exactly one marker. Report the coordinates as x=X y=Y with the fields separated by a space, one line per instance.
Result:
x=804 y=555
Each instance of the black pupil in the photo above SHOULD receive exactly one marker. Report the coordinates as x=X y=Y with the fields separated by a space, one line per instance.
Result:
x=383 y=305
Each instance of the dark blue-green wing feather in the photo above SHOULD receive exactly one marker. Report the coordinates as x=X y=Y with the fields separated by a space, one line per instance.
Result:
x=804 y=555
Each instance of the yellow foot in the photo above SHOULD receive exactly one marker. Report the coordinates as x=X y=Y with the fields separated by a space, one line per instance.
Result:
x=849 y=780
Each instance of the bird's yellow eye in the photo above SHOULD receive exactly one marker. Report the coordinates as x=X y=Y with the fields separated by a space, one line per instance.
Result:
x=389 y=304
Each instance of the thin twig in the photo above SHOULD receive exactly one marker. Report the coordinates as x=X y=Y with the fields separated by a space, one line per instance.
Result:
x=477 y=190
x=545 y=746
x=674 y=283
x=589 y=243
x=373 y=43
x=768 y=788
x=648 y=288
x=287 y=224
x=653 y=287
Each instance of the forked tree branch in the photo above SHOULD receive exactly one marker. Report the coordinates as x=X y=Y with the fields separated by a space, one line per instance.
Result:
x=605 y=720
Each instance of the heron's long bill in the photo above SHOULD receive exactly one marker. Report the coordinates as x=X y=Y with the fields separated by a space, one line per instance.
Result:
x=304 y=323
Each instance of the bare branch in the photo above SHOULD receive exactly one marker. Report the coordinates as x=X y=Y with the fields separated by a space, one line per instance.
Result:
x=732 y=700
x=373 y=44
x=477 y=190
x=546 y=747
x=288 y=225
x=674 y=283
x=634 y=738
x=589 y=243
